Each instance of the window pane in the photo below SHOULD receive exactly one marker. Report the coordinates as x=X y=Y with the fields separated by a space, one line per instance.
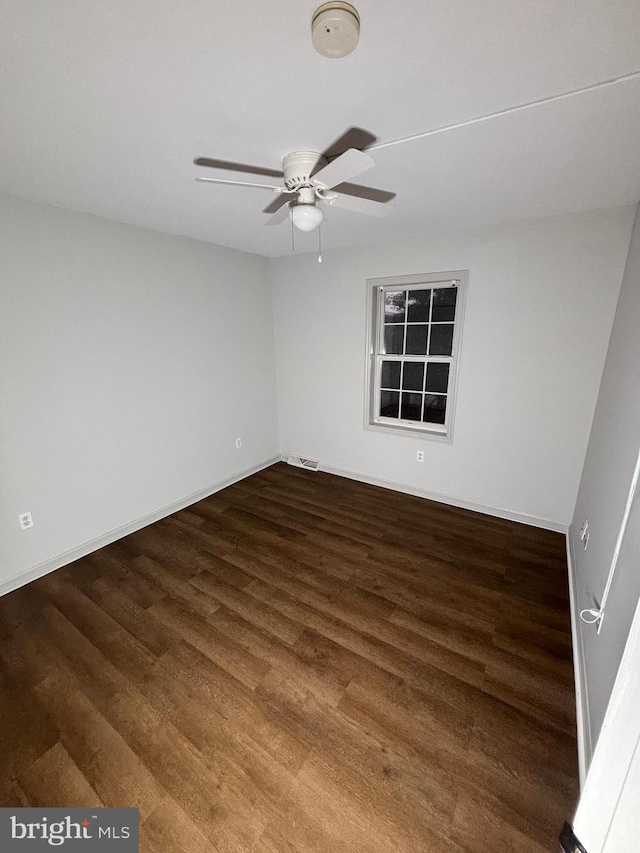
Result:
x=389 y=404
x=411 y=405
x=434 y=408
x=444 y=304
x=416 y=340
x=393 y=338
x=441 y=340
x=437 y=377
x=391 y=375
x=413 y=376
x=394 y=306
x=418 y=306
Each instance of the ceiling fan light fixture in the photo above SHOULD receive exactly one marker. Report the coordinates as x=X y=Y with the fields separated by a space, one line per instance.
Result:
x=306 y=217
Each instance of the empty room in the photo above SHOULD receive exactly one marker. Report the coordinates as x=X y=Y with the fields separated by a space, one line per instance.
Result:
x=319 y=426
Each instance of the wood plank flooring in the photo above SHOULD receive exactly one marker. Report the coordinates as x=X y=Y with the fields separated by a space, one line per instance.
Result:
x=301 y=664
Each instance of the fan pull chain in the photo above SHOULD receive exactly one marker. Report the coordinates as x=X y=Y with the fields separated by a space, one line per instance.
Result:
x=293 y=239
x=320 y=244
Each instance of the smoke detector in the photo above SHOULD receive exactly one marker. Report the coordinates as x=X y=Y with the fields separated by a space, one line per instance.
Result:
x=335 y=29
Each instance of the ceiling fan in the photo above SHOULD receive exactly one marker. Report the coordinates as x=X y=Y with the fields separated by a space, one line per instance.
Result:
x=311 y=181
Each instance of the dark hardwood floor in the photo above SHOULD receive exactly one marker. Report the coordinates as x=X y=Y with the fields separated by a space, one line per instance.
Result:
x=301 y=663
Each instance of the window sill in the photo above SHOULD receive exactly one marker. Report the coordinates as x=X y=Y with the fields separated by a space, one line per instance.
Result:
x=403 y=429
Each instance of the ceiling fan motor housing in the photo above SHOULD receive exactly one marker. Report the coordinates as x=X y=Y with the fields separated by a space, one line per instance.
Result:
x=298 y=166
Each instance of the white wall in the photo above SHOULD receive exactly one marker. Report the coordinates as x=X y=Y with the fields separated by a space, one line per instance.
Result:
x=610 y=461
x=129 y=362
x=541 y=300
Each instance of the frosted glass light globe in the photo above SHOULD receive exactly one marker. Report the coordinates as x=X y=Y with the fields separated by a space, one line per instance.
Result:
x=306 y=217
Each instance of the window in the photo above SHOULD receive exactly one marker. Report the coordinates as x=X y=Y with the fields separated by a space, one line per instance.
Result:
x=415 y=325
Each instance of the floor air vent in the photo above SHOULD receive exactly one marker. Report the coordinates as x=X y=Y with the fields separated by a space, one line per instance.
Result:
x=301 y=462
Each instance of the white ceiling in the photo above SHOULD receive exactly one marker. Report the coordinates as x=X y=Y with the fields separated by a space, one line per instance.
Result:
x=105 y=103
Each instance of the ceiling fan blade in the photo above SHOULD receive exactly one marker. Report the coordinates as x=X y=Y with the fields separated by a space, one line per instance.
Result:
x=236 y=183
x=344 y=167
x=211 y=163
x=371 y=193
x=354 y=137
x=362 y=205
x=278 y=201
x=279 y=216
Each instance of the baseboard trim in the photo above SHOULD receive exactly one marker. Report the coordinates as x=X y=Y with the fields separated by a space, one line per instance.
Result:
x=79 y=551
x=583 y=729
x=497 y=512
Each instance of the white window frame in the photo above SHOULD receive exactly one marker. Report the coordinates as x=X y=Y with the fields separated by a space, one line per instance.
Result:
x=376 y=287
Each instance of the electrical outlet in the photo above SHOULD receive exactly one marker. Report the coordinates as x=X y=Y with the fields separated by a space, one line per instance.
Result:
x=420 y=456
x=238 y=443
x=26 y=521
